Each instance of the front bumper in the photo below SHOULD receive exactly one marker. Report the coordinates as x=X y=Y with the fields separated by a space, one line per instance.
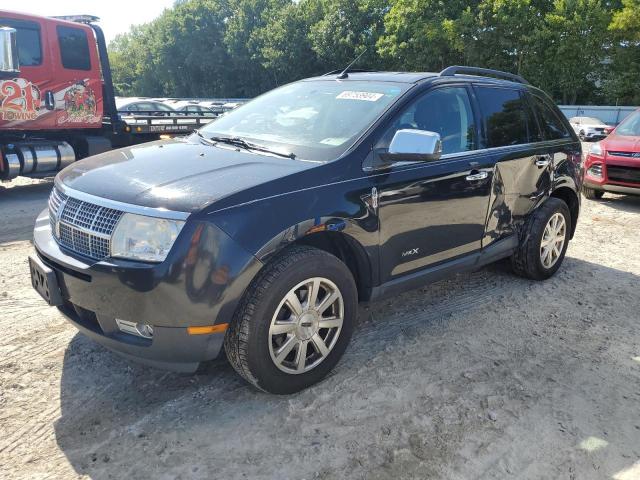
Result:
x=594 y=135
x=199 y=284
x=603 y=182
x=612 y=188
x=171 y=348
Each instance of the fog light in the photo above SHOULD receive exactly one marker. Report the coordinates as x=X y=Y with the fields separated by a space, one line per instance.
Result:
x=595 y=170
x=133 y=328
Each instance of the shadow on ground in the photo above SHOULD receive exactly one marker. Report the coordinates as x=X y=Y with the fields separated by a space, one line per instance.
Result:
x=624 y=203
x=122 y=420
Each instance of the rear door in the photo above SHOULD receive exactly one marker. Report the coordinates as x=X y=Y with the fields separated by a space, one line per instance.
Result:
x=522 y=161
x=431 y=212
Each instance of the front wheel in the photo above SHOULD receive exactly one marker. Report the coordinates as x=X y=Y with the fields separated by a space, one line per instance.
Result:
x=592 y=193
x=544 y=241
x=295 y=321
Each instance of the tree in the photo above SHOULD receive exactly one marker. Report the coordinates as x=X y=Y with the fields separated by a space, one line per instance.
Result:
x=577 y=50
x=343 y=29
x=572 y=47
x=424 y=35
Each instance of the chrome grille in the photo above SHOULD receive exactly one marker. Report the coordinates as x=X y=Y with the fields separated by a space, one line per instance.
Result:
x=55 y=199
x=624 y=154
x=82 y=227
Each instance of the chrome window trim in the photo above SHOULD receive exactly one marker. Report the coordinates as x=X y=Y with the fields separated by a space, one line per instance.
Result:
x=122 y=206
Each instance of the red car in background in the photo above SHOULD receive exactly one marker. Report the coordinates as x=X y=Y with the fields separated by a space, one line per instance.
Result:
x=613 y=164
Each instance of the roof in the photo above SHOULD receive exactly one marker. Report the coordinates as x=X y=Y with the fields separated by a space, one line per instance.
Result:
x=415 y=77
x=399 y=77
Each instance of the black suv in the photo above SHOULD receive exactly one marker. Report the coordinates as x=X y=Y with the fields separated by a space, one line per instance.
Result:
x=260 y=232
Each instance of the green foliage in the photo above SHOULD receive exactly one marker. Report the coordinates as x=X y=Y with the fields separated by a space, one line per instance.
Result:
x=577 y=50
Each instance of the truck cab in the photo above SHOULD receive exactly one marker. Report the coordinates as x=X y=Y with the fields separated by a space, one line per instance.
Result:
x=57 y=101
x=58 y=85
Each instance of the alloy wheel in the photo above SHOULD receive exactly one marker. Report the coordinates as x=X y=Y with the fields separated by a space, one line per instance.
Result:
x=306 y=325
x=553 y=238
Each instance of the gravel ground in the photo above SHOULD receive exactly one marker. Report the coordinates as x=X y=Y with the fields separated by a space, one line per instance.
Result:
x=482 y=376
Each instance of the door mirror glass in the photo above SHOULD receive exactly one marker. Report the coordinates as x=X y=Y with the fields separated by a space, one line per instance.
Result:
x=410 y=145
x=9 y=63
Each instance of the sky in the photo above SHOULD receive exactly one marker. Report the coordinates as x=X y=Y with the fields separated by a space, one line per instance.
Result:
x=116 y=16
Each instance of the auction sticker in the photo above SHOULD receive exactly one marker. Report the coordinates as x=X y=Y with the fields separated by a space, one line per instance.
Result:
x=366 y=96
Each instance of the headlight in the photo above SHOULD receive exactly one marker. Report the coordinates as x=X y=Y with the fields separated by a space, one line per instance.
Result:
x=596 y=149
x=144 y=238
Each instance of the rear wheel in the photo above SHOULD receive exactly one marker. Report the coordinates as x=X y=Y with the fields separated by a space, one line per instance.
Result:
x=544 y=241
x=592 y=193
x=295 y=321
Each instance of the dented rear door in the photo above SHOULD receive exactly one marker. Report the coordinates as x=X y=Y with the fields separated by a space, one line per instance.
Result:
x=522 y=162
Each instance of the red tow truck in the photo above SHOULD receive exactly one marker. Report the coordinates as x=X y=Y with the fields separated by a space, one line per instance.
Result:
x=57 y=101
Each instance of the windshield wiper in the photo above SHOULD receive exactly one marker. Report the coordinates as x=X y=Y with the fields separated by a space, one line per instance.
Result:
x=239 y=142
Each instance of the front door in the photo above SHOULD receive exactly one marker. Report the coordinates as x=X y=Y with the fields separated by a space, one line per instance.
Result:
x=431 y=212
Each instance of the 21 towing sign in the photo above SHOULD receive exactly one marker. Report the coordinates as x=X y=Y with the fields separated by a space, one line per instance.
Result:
x=19 y=100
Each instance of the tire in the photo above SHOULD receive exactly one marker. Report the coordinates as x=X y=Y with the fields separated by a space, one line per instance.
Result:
x=528 y=260
x=252 y=342
x=592 y=194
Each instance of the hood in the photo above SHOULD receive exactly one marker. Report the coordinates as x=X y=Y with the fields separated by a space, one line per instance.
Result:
x=621 y=143
x=176 y=174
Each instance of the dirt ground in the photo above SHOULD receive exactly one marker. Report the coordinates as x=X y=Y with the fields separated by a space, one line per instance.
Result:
x=484 y=376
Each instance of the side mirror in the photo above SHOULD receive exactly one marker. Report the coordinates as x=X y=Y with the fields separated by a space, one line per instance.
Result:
x=9 y=63
x=409 y=145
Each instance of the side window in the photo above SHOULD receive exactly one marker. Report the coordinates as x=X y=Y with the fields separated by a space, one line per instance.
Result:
x=505 y=116
x=74 y=48
x=28 y=40
x=161 y=107
x=446 y=111
x=552 y=126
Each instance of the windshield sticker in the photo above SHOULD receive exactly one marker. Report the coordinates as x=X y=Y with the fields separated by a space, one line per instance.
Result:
x=366 y=96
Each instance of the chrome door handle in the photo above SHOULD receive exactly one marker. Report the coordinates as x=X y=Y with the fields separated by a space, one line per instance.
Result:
x=477 y=176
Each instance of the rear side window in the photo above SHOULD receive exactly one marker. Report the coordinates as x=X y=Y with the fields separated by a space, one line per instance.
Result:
x=28 y=40
x=505 y=116
x=552 y=127
x=74 y=48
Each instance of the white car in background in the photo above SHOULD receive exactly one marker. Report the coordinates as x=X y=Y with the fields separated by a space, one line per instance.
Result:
x=590 y=128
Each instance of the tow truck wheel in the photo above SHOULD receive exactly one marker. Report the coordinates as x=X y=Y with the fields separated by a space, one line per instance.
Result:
x=294 y=322
x=592 y=194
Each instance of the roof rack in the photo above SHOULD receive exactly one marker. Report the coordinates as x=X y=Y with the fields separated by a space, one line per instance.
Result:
x=451 y=71
x=351 y=70
x=78 y=18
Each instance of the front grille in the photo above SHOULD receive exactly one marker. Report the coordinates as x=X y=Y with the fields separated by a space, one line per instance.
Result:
x=623 y=174
x=82 y=227
x=55 y=199
x=624 y=154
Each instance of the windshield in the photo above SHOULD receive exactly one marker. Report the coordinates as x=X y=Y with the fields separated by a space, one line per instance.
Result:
x=314 y=120
x=630 y=126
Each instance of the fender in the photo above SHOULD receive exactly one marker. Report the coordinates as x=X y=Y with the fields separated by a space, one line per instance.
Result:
x=346 y=222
